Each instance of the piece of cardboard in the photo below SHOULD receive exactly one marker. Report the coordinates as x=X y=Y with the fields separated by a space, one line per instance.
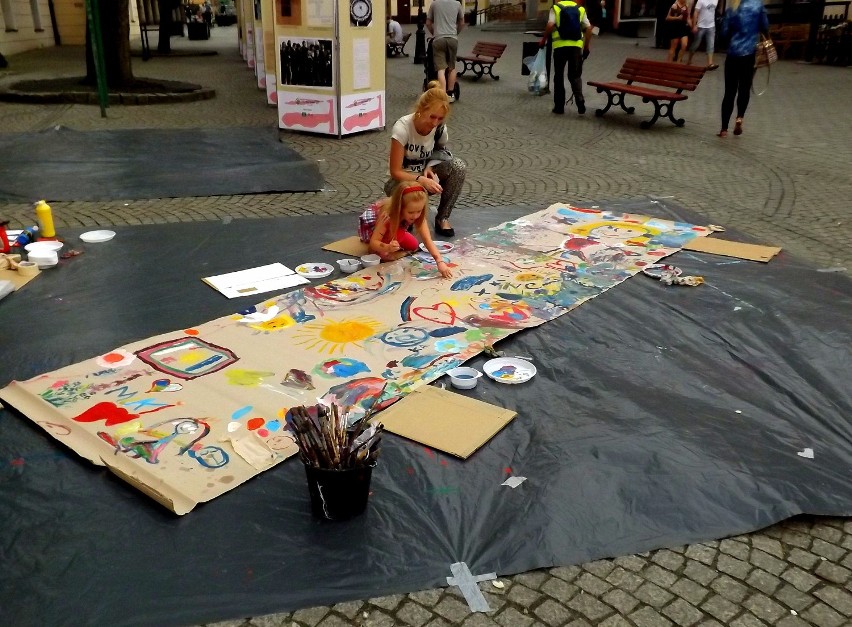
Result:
x=727 y=248
x=17 y=279
x=444 y=420
x=352 y=246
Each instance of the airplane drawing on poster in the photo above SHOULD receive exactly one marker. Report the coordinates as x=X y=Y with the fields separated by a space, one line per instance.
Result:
x=362 y=112
x=302 y=111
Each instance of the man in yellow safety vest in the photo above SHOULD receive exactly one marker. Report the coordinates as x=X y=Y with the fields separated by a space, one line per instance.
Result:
x=571 y=31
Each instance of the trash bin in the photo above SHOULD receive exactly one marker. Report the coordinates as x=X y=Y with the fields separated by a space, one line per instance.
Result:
x=528 y=49
x=198 y=30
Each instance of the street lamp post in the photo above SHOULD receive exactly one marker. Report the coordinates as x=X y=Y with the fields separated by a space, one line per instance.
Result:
x=420 y=35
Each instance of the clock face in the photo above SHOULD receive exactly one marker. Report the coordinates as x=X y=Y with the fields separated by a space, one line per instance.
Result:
x=360 y=12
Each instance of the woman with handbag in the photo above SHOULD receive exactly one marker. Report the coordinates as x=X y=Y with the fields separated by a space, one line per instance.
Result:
x=743 y=22
x=419 y=154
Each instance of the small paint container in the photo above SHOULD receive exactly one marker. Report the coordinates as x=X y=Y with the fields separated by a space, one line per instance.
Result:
x=371 y=260
x=348 y=265
x=464 y=378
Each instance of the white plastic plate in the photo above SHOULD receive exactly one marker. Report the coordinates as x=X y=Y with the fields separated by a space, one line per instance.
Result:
x=509 y=370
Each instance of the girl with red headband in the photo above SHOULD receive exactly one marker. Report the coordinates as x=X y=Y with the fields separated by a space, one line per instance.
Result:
x=405 y=209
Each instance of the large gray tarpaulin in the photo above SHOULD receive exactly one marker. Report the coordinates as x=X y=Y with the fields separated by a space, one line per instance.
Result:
x=659 y=416
x=63 y=164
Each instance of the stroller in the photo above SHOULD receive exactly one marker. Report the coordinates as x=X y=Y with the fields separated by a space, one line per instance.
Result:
x=432 y=73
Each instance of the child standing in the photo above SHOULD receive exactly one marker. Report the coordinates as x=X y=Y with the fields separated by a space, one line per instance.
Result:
x=394 y=216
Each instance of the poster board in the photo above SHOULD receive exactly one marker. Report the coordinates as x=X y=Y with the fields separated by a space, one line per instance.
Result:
x=270 y=65
x=246 y=13
x=257 y=27
x=330 y=69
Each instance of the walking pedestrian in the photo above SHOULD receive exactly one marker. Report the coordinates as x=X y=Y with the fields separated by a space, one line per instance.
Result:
x=742 y=23
x=704 y=29
x=569 y=29
x=679 y=25
x=445 y=20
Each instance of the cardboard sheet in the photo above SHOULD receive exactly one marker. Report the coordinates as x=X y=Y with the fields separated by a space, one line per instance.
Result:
x=352 y=246
x=727 y=248
x=444 y=420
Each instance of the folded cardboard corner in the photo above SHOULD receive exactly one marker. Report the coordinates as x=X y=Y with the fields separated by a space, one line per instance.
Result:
x=352 y=246
x=446 y=421
x=727 y=248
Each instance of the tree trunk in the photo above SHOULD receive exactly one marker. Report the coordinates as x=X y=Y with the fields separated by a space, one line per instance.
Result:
x=115 y=35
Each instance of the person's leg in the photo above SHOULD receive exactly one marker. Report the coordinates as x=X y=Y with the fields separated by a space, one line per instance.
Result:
x=684 y=42
x=575 y=76
x=672 y=47
x=406 y=240
x=560 y=58
x=695 y=44
x=710 y=41
x=439 y=59
x=731 y=79
x=451 y=174
x=452 y=52
x=745 y=77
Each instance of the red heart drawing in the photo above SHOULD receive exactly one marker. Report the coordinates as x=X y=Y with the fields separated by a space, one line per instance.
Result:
x=110 y=413
x=441 y=313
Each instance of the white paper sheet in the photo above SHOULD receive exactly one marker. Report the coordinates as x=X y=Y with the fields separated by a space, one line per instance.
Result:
x=361 y=64
x=275 y=276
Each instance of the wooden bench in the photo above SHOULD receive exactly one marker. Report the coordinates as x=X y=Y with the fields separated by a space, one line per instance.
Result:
x=785 y=36
x=398 y=48
x=675 y=76
x=482 y=59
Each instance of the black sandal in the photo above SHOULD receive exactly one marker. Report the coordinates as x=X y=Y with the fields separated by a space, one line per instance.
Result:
x=450 y=232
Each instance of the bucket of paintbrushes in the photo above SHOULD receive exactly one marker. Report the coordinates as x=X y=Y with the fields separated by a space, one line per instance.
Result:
x=339 y=494
x=338 y=456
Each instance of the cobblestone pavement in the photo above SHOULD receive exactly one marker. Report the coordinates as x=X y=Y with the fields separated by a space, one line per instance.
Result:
x=785 y=181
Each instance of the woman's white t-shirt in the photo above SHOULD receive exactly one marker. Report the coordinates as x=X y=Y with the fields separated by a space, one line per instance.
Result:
x=418 y=148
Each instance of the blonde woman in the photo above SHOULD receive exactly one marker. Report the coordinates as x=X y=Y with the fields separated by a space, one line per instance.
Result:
x=742 y=23
x=418 y=154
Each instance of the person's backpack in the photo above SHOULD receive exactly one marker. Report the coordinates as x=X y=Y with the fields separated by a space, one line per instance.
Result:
x=569 y=23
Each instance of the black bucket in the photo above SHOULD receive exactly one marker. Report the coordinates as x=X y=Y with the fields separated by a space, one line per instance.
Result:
x=339 y=494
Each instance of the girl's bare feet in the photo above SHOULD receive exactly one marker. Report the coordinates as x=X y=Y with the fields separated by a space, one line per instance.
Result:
x=723 y=132
x=738 y=127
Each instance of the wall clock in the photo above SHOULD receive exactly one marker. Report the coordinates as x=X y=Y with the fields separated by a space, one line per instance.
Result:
x=360 y=12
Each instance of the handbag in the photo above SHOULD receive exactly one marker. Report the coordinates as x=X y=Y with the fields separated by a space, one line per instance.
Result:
x=766 y=54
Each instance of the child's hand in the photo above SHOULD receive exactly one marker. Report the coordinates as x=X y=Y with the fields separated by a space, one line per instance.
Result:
x=444 y=269
x=393 y=246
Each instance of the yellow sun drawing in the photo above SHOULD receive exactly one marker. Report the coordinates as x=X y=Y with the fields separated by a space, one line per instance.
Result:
x=333 y=336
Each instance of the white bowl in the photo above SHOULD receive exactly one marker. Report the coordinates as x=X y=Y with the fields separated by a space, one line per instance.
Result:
x=44 y=244
x=464 y=378
x=348 y=265
x=43 y=258
x=371 y=260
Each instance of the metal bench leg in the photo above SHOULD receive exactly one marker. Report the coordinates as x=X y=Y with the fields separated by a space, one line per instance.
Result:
x=613 y=98
x=479 y=71
x=669 y=106
x=646 y=124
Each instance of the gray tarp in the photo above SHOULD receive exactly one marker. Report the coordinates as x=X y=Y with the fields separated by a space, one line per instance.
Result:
x=660 y=416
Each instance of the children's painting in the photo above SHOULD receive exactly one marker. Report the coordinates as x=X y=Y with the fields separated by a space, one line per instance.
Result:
x=188 y=415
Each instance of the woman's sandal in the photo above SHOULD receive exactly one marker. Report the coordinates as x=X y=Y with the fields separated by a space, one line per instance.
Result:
x=448 y=232
x=738 y=127
x=723 y=132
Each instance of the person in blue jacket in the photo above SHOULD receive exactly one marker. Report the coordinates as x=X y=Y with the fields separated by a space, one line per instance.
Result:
x=742 y=23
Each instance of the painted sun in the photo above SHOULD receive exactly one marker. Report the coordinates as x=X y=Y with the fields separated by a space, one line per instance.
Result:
x=334 y=336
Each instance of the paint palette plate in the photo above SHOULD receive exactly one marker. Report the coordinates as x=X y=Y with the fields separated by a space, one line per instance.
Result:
x=443 y=247
x=314 y=270
x=93 y=237
x=509 y=370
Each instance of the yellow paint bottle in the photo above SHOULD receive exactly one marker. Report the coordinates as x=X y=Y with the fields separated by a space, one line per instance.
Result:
x=44 y=215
